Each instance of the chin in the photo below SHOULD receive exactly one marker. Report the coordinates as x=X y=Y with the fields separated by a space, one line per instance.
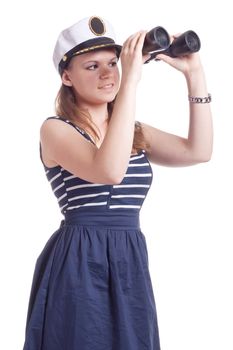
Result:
x=111 y=99
x=108 y=99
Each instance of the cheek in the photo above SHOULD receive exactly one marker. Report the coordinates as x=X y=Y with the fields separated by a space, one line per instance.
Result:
x=117 y=76
x=84 y=84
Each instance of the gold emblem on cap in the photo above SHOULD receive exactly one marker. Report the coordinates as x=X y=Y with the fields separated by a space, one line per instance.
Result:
x=97 y=26
x=64 y=58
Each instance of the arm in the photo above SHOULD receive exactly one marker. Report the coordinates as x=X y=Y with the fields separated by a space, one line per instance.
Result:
x=172 y=150
x=62 y=145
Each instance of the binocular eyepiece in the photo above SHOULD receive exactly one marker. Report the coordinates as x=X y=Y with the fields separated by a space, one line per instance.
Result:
x=157 y=41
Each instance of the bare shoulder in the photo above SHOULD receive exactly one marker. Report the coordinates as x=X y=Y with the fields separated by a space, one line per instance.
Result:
x=62 y=144
x=54 y=128
x=56 y=133
x=52 y=132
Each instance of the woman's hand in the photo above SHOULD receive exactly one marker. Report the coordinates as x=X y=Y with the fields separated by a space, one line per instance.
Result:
x=187 y=64
x=132 y=58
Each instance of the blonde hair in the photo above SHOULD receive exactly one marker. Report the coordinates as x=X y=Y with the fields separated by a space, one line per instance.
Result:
x=66 y=107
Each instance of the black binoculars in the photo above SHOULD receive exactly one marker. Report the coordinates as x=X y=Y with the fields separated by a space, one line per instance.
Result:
x=157 y=41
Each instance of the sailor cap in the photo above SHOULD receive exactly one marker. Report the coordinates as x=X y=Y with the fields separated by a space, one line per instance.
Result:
x=89 y=34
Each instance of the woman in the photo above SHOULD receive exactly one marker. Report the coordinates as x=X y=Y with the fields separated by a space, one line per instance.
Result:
x=92 y=288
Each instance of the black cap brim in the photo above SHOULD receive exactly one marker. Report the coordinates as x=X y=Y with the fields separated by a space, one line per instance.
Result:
x=88 y=46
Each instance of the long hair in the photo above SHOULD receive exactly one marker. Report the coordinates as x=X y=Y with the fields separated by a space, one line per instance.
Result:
x=66 y=107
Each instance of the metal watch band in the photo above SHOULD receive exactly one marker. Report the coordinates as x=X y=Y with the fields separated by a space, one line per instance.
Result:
x=194 y=99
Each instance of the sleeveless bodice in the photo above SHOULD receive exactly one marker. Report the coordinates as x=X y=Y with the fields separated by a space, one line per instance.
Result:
x=73 y=192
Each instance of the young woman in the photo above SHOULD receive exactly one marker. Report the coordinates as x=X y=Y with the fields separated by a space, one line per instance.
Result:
x=92 y=288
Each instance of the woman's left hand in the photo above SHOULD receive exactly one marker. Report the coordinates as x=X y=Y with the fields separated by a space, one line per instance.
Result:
x=185 y=64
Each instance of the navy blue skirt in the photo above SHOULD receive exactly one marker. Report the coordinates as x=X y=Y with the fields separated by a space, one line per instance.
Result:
x=92 y=288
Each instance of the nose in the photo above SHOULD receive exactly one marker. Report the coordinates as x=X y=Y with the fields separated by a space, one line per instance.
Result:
x=105 y=72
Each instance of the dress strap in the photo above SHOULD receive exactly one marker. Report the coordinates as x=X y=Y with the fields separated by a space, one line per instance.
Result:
x=81 y=131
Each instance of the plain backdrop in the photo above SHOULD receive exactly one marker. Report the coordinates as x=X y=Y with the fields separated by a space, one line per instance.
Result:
x=187 y=216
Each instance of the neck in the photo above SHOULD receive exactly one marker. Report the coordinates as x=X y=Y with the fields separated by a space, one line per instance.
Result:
x=99 y=114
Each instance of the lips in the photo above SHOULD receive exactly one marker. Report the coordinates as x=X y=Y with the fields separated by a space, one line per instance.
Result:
x=106 y=86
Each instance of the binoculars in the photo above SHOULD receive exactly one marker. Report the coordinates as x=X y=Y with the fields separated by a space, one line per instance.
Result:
x=157 y=41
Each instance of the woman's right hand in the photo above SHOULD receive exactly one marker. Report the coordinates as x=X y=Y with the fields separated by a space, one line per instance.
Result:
x=132 y=58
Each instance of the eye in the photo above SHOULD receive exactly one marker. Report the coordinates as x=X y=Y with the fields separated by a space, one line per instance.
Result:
x=113 y=63
x=92 y=67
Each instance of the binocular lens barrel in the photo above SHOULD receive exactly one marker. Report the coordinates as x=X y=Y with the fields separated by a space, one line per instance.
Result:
x=156 y=39
x=185 y=44
x=162 y=37
x=193 y=42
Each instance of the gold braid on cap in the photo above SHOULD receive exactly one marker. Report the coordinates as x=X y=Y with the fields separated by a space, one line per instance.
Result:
x=90 y=49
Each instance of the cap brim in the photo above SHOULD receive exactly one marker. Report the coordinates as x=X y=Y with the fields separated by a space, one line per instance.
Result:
x=88 y=46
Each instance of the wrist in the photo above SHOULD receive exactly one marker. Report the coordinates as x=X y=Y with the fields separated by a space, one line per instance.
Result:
x=128 y=86
x=194 y=73
x=196 y=83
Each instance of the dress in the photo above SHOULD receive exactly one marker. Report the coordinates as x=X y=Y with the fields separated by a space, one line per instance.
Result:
x=91 y=288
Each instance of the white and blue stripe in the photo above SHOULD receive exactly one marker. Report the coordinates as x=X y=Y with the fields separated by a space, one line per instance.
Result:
x=73 y=193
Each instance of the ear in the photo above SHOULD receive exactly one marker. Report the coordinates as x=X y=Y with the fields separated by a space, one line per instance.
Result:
x=66 y=78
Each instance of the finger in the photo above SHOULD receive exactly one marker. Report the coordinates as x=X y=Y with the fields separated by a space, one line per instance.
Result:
x=165 y=58
x=126 y=42
x=146 y=57
x=133 y=42
x=141 y=39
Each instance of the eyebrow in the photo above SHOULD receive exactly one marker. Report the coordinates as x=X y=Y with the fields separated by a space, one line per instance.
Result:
x=96 y=61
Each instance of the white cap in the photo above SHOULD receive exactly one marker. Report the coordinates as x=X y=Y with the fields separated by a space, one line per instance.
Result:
x=91 y=33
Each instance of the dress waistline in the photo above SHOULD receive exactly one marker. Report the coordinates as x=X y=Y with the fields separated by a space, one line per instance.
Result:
x=120 y=218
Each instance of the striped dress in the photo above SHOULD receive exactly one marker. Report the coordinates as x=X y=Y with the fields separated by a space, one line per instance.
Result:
x=91 y=288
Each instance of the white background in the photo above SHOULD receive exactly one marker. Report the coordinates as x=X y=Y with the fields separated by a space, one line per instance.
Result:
x=186 y=217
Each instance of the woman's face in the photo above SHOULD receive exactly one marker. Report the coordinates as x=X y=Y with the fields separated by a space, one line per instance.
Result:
x=94 y=77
